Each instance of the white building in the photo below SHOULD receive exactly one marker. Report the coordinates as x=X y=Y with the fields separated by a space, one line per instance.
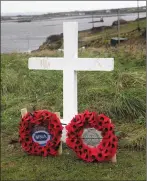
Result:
x=108 y=11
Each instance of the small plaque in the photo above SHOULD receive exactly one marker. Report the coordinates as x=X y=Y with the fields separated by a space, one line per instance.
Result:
x=91 y=137
x=41 y=136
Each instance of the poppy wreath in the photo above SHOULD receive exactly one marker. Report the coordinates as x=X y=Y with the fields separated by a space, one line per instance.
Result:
x=46 y=120
x=107 y=147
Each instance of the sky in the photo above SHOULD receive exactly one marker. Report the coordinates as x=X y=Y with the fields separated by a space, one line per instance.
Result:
x=41 y=7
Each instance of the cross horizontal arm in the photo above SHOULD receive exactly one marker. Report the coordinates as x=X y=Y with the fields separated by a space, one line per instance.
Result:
x=93 y=64
x=40 y=63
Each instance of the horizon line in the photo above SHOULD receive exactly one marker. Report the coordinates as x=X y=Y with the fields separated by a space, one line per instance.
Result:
x=42 y=13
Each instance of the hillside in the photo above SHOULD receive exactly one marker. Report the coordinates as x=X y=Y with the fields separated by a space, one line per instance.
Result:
x=120 y=94
x=99 y=37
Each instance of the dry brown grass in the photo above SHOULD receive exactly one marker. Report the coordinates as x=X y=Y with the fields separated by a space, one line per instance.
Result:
x=47 y=53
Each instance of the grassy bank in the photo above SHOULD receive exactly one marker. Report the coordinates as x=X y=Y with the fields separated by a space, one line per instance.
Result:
x=101 y=36
x=119 y=94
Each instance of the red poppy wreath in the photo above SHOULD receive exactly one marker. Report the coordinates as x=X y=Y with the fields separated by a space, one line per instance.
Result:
x=40 y=133
x=103 y=151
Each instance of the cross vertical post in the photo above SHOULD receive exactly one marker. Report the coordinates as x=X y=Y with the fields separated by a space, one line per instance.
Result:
x=69 y=74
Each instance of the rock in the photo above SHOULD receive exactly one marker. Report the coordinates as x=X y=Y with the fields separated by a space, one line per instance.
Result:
x=54 y=38
x=99 y=29
x=122 y=21
x=52 y=42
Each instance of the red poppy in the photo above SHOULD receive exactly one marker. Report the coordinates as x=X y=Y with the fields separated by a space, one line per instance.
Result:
x=45 y=119
x=107 y=147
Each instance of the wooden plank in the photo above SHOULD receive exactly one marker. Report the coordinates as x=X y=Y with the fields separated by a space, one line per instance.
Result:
x=113 y=159
x=60 y=146
x=23 y=112
x=58 y=114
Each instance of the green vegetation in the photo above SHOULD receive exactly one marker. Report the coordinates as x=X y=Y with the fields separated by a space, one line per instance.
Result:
x=119 y=94
x=100 y=36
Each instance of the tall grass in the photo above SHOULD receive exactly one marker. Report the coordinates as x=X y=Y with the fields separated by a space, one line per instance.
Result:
x=120 y=94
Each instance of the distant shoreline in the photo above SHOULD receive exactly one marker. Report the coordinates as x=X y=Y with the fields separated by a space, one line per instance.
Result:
x=69 y=17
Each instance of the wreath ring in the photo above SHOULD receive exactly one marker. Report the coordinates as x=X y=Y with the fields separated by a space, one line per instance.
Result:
x=40 y=133
x=107 y=147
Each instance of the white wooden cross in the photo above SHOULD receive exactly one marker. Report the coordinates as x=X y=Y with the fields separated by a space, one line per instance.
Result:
x=70 y=64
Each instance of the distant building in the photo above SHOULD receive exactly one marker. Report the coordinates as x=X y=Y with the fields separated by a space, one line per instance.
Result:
x=108 y=11
x=81 y=14
x=14 y=17
x=67 y=14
